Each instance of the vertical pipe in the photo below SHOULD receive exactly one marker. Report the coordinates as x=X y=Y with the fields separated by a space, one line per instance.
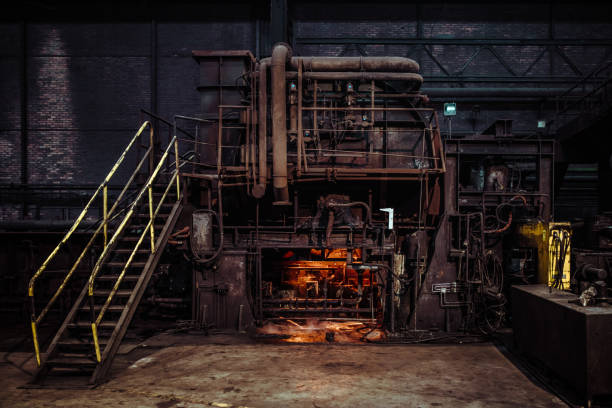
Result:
x=262 y=118
x=94 y=333
x=240 y=312
x=257 y=221
x=295 y=211
x=292 y=115
x=151 y=218
x=177 y=164
x=258 y=287
x=219 y=139
x=35 y=340
x=253 y=146
x=300 y=136
x=247 y=147
x=152 y=152
x=392 y=295
x=315 y=119
x=372 y=113
x=281 y=54
x=105 y=212
x=92 y=317
x=195 y=148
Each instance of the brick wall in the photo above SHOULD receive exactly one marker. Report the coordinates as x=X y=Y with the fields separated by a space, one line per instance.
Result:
x=87 y=81
x=10 y=103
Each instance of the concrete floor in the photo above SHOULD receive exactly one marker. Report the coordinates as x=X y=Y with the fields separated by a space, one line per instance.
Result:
x=197 y=371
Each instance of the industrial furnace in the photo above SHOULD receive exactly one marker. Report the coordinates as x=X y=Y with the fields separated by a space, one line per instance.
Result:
x=321 y=190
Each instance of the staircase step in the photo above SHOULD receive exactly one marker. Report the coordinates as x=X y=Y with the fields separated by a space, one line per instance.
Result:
x=73 y=344
x=113 y=278
x=122 y=264
x=71 y=362
x=73 y=355
x=106 y=292
x=129 y=251
x=85 y=350
x=111 y=308
x=85 y=323
x=146 y=215
x=135 y=239
x=142 y=226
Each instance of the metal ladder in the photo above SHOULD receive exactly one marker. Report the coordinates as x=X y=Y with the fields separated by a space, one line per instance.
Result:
x=89 y=337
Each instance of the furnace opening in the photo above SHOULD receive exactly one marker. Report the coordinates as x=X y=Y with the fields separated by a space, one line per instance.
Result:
x=318 y=295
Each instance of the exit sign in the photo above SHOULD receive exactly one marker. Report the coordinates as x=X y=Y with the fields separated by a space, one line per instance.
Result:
x=450 y=109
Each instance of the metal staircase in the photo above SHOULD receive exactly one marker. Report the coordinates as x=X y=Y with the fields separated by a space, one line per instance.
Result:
x=89 y=337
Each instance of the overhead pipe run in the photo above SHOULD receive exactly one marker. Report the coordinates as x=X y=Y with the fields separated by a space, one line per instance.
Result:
x=281 y=54
x=416 y=79
x=493 y=92
x=376 y=64
x=324 y=68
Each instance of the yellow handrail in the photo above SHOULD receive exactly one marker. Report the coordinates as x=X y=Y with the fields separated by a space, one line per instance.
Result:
x=125 y=220
x=91 y=240
x=122 y=274
x=95 y=321
x=34 y=320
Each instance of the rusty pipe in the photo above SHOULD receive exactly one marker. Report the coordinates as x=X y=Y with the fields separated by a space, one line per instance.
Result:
x=281 y=54
x=376 y=64
x=354 y=204
x=415 y=79
x=260 y=188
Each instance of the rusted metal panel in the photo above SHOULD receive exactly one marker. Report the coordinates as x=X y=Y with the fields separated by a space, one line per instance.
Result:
x=201 y=238
x=571 y=340
x=221 y=295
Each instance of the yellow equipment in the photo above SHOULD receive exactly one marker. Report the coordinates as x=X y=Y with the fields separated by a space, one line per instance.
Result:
x=559 y=249
x=552 y=241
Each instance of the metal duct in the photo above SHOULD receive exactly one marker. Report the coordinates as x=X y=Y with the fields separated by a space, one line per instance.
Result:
x=376 y=64
x=281 y=54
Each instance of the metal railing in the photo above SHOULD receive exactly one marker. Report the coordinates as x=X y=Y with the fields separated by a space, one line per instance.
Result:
x=597 y=96
x=150 y=228
x=103 y=226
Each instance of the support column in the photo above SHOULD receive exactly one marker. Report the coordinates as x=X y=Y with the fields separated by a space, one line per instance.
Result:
x=24 y=113
x=278 y=21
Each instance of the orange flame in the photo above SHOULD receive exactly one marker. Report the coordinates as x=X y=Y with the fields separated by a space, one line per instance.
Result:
x=321 y=331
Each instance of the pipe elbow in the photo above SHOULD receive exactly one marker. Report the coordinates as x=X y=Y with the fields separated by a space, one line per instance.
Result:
x=281 y=54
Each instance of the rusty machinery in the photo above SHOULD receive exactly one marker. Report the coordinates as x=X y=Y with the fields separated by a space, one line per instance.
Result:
x=320 y=189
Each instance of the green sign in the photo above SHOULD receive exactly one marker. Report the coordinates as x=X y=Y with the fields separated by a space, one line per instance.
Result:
x=450 y=109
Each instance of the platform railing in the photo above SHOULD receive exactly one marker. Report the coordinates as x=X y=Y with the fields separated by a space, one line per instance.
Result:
x=149 y=228
x=102 y=189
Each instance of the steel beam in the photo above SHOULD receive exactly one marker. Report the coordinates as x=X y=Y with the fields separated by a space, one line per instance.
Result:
x=451 y=41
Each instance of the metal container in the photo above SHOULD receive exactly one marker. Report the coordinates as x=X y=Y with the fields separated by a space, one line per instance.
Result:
x=571 y=340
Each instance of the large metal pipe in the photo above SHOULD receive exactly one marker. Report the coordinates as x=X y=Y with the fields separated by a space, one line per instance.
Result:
x=493 y=92
x=281 y=54
x=260 y=188
x=376 y=64
x=415 y=79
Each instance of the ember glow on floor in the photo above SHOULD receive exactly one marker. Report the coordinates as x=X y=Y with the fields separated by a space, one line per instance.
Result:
x=184 y=372
x=320 y=331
